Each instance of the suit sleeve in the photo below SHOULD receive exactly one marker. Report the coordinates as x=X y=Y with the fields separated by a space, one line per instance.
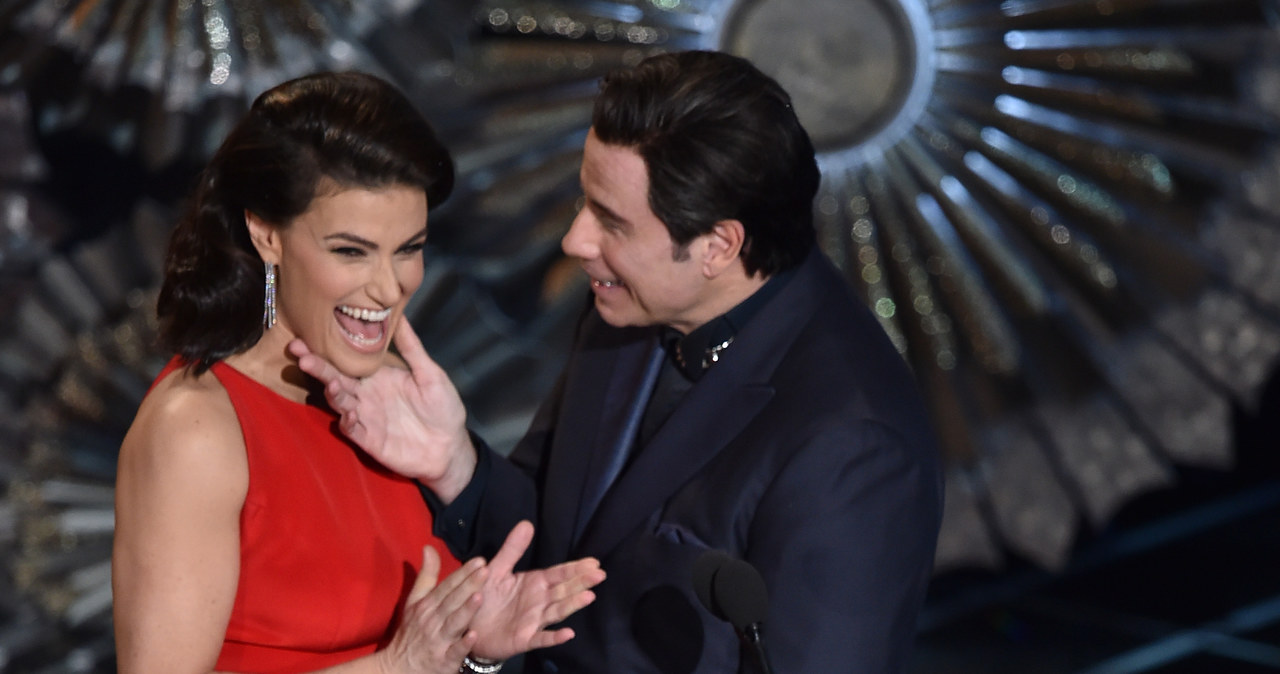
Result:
x=501 y=492
x=863 y=503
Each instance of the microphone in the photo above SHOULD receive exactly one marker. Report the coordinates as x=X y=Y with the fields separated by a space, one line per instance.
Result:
x=733 y=590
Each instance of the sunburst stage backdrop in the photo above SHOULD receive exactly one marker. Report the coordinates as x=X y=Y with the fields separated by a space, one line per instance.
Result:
x=1064 y=213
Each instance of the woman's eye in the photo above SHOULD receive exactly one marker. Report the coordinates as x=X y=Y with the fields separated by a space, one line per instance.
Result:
x=412 y=248
x=347 y=251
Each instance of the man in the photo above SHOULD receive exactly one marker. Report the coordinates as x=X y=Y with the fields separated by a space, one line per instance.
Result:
x=725 y=392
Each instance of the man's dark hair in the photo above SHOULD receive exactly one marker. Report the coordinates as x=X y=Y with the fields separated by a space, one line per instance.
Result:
x=721 y=142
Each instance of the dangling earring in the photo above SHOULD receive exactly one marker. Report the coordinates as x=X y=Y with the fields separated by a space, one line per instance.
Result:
x=269 y=297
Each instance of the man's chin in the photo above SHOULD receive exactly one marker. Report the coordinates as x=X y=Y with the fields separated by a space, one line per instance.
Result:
x=618 y=319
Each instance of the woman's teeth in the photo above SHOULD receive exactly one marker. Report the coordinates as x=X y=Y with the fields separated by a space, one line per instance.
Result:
x=365 y=314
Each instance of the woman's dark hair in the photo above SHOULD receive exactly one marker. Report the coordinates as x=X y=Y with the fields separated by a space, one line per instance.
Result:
x=350 y=128
x=721 y=142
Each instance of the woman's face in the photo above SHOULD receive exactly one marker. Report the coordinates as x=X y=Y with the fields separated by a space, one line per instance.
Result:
x=347 y=267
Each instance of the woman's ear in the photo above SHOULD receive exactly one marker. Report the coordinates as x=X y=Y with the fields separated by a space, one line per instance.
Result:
x=265 y=237
x=723 y=247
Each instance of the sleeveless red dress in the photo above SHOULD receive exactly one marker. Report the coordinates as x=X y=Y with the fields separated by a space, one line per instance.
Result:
x=330 y=541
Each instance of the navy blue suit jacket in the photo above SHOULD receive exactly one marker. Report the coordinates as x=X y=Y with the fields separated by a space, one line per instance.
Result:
x=805 y=451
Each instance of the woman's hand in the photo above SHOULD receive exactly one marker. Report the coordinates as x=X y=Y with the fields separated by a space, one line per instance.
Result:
x=434 y=634
x=517 y=607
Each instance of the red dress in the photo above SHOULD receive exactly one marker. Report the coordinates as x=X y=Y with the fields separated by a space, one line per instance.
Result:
x=330 y=541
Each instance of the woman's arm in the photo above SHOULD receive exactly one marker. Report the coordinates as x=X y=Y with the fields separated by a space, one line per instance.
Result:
x=181 y=483
x=180 y=486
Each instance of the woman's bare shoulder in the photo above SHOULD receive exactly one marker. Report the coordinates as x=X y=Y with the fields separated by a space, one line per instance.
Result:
x=186 y=422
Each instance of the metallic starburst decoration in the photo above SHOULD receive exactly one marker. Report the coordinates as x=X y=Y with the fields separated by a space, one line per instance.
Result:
x=1058 y=210
x=1062 y=212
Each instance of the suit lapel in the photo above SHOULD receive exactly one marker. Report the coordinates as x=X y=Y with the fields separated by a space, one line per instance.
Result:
x=685 y=443
x=622 y=409
x=608 y=386
x=713 y=413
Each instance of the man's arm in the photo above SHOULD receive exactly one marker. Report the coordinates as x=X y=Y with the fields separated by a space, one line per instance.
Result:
x=472 y=524
x=503 y=490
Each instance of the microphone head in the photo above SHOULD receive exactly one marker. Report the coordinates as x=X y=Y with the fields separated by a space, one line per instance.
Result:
x=705 y=568
x=740 y=592
x=731 y=589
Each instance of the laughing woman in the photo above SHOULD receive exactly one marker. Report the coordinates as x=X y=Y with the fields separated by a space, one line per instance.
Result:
x=250 y=536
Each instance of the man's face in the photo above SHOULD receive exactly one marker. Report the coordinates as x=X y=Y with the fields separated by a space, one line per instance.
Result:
x=638 y=274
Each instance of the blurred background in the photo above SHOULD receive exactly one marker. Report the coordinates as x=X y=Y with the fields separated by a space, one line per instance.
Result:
x=1066 y=214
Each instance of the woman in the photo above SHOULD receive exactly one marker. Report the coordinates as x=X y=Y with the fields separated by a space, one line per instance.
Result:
x=249 y=535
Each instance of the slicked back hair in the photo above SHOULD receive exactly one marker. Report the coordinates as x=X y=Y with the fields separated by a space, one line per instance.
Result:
x=721 y=142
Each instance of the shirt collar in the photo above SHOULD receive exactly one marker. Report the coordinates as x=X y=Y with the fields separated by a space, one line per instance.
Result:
x=693 y=354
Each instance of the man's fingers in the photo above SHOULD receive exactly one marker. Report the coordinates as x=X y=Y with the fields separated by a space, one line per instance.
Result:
x=341 y=400
x=512 y=548
x=314 y=365
x=298 y=348
x=351 y=427
x=411 y=348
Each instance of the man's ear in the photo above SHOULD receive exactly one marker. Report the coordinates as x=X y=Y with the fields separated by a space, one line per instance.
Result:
x=723 y=245
x=265 y=237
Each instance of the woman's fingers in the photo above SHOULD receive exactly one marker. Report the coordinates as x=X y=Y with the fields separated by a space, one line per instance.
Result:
x=512 y=548
x=471 y=575
x=448 y=604
x=463 y=646
x=453 y=591
x=435 y=629
x=427 y=577
x=548 y=638
x=579 y=574
x=559 y=610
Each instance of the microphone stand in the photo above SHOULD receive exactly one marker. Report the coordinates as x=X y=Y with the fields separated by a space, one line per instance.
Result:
x=753 y=636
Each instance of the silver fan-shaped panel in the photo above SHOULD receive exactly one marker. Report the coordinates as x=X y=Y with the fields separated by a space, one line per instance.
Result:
x=1045 y=203
x=1061 y=211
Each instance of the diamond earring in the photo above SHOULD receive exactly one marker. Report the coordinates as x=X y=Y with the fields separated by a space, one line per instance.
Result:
x=269 y=297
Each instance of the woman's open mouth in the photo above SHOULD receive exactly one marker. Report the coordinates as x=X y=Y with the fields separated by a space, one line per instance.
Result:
x=363 y=327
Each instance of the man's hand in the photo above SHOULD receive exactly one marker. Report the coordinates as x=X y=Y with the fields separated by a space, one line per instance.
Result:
x=518 y=607
x=412 y=422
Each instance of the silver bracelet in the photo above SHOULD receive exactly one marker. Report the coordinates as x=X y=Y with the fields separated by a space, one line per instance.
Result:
x=476 y=665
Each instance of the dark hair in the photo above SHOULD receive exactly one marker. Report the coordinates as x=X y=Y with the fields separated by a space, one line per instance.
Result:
x=353 y=129
x=721 y=142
